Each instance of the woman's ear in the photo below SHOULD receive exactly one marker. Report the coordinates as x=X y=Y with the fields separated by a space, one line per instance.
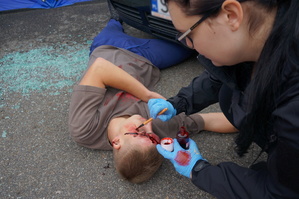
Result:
x=116 y=143
x=233 y=12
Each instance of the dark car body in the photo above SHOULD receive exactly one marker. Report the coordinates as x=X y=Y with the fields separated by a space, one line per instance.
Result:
x=138 y=14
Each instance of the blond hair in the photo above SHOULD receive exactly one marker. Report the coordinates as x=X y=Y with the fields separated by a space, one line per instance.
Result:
x=137 y=164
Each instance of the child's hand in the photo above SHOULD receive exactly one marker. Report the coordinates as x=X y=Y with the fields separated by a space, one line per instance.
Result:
x=153 y=95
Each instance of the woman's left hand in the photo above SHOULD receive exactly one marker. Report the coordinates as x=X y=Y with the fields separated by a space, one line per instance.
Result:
x=182 y=160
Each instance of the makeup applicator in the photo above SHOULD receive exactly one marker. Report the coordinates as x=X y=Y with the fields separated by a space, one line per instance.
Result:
x=151 y=119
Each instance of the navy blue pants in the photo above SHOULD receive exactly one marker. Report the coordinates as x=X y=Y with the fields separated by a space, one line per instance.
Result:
x=161 y=53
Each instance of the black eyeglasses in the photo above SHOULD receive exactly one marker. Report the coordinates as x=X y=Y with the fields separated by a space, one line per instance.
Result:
x=183 y=37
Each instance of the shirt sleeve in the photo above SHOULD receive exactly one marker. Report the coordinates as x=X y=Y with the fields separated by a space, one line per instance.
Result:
x=202 y=92
x=84 y=125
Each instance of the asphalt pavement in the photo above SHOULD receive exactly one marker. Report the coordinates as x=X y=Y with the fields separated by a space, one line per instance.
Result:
x=43 y=53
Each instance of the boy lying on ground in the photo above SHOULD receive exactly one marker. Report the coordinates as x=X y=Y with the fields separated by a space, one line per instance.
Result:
x=110 y=101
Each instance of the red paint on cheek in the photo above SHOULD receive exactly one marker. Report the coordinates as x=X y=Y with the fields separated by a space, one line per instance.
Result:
x=130 y=127
x=183 y=158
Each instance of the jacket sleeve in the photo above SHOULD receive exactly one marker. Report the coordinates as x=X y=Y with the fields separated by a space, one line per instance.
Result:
x=279 y=178
x=229 y=180
x=201 y=92
x=285 y=155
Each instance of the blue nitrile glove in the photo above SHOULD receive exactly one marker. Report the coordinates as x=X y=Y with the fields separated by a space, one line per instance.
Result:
x=182 y=160
x=157 y=105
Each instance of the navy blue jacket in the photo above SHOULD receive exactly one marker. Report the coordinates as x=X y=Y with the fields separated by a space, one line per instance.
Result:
x=226 y=85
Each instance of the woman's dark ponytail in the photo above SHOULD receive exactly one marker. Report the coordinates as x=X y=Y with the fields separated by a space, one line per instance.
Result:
x=271 y=70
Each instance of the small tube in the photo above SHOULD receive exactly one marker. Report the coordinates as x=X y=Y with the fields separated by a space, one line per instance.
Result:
x=167 y=144
x=183 y=138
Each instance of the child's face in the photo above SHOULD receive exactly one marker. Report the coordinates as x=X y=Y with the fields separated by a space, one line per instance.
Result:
x=143 y=137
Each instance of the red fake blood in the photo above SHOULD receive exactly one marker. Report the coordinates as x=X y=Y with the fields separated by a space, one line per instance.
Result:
x=123 y=96
x=130 y=127
x=183 y=138
x=183 y=158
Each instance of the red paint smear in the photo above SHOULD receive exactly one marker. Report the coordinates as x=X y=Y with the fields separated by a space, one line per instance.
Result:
x=123 y=96
x=183 y=158
x=130 y=127
x=107 y=101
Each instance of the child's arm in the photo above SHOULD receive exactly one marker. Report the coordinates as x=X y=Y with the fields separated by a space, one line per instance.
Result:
x=217 y=122
x=103 y=73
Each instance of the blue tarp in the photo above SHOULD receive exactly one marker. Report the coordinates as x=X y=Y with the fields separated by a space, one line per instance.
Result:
x=20 y=4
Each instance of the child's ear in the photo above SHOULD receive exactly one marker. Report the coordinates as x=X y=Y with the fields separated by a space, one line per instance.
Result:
x=116 y=143
x=233 y=12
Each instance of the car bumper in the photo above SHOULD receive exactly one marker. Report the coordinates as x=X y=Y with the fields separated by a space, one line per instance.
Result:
x=137 y=13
